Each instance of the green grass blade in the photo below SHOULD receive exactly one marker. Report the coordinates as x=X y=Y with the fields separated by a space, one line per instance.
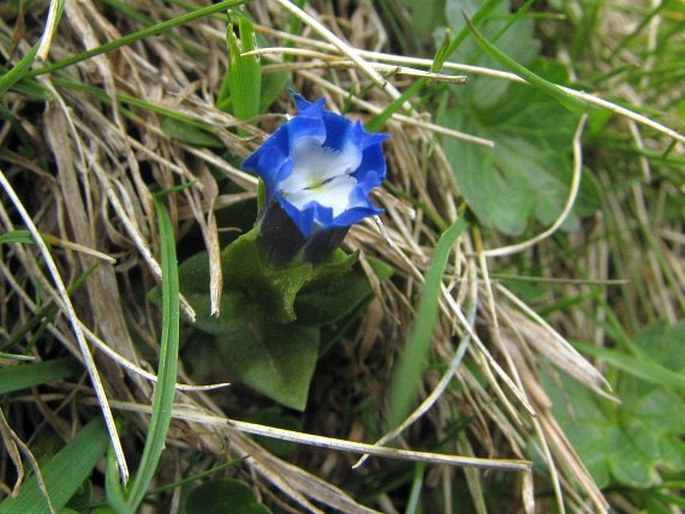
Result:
x=448 y=47
x=295 y=29
x=28 y=87
x=16 y=378
x=197 y=476
x=19 y=71
x=64 y=474
x=163 y=400
x=114 y=490
x=45 y=313
x=567 y=100
x=640 y=366
x=16 y=236
x=137 y=36
x=416 y=488
x=407 y=374
x=482 y=14
x=377 y=122
x=17 y=357
x=241 y=88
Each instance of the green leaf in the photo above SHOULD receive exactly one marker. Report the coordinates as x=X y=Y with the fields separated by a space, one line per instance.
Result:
x=563 y=97
x=11 y=77
x=425 y=15
x=114 y=489
x=165 y=387
x=83 y=499
x=663 y=342
x=63 y=474
x=17 y=236
x=634 y=442
x=658 y=359
x=407 y=374
x=273 y=289
x=272 y=358
x=22 y=376
x=191 y=134
x=241 y=88
x=498 y=25
x=272 y=85
x=530 y=164
x=224 y=495
x=336 y=297
x=268 y=332
x=641 y=366
x=25 y=86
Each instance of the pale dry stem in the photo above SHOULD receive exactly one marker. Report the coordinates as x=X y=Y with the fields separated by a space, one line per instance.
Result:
x=108 y=155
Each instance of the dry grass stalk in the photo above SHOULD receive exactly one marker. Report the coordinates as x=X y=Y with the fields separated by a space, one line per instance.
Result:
x=107 y=154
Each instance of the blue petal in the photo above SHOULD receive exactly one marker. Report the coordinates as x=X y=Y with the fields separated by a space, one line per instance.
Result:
x=300 y=101
x=356 y=214
x=309 y=218
x=270 y=158
x=337 y=130
x=273 y=162
x=309 y=123
x=369 y=181
x=375 y=139
x=373 y=163
x=357 y=135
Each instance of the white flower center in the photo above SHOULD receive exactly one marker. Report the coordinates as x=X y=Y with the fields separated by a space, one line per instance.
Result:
x=321 y=175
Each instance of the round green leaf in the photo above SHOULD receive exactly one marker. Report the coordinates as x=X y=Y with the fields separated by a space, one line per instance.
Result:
x=224 y=496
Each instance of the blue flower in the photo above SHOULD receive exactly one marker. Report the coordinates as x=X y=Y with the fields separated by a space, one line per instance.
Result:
x=320 y=168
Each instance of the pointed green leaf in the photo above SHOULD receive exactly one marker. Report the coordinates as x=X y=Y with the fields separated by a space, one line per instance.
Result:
x=165 y=387
x=191 y=134
x=334 y=299
x=26 y=86
x=63 y=474
x=242 y=84
x=275 y=360
x=11 y=77
x=17 y=236
x=406 y=376
x=16 y=378
x=273 y=289
x=272 y=358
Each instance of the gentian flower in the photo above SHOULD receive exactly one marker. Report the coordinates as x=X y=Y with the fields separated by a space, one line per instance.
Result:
x=318 y=170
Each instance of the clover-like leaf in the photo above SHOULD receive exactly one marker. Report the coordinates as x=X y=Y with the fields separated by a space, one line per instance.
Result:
x=530 y=164
x=526 y=175
x=631 y=443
